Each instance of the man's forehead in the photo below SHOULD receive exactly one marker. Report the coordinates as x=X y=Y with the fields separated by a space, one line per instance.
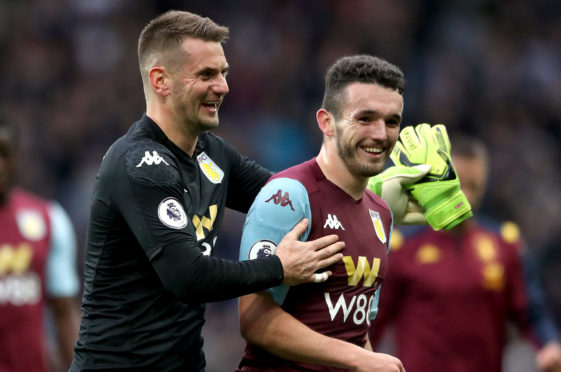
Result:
x=367 y=96
x=203 y=53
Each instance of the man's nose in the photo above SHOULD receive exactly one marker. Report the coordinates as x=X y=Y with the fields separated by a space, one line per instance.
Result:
x=378 y=129
x=221 y=85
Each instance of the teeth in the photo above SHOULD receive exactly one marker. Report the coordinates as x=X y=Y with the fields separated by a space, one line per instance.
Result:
x=214 y=103
x=372 y=149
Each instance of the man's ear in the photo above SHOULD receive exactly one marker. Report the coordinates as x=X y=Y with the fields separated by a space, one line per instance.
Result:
x=326 y=122
x=159 y=80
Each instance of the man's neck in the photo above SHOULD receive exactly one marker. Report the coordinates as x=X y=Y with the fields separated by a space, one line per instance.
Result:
x=173 y=130
x=335 y=171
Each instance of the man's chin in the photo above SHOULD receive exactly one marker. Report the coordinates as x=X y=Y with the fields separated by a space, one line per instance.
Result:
x=209 y=124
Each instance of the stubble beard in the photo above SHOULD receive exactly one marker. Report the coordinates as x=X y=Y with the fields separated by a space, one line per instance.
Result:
x=350 y=157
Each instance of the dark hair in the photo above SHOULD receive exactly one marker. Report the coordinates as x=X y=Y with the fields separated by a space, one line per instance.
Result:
x=358 y=68
x=467 y=146
x=166 y=32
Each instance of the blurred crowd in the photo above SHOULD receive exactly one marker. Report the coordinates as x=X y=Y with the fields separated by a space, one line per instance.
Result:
x=490 y=68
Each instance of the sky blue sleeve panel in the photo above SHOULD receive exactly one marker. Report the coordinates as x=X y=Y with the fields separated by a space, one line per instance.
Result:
x=61 y=276
x=280 y=205
x=374 y=307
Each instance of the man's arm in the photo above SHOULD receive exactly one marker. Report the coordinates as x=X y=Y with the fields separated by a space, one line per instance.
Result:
x=264 y=323
x=66 y=318
x=62 y=282
x=151 y=199
x=528 y=309
x=548 y=356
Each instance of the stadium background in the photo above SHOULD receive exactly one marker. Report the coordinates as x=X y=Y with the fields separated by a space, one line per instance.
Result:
x=491 y=68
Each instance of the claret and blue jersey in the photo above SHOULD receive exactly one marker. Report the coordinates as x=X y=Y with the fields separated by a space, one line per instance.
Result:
x=343 y=306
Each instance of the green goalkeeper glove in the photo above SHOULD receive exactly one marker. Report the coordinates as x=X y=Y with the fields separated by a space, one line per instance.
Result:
x=439 y=191
x=389 y=185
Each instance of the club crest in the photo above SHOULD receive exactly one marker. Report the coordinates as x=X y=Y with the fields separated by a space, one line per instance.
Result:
x=31 y=225
x=378 y=226
x=210 y=169
x=171 y=213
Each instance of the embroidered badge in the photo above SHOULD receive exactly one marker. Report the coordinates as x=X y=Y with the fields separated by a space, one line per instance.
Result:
x=262 y=249
x=31 y=225
x=333 y=222
x=378 y=227
x=171 y=213
x=148 y=159
x=281 y=199
x=210 y=169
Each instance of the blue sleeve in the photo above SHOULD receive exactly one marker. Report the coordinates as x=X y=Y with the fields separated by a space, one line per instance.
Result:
x=374 y=306
x=280 y=205
x=61 y=276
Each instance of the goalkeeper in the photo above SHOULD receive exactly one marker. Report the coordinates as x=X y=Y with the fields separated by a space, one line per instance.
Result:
x=423 y=186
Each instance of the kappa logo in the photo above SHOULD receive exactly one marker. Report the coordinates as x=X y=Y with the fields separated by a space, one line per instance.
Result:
x=210 y=169
x=333 y=222
x=148 y=159
x=281 y=199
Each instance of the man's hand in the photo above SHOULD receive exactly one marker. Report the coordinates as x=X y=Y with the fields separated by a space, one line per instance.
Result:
x=378 y=362
x=439 y=191
x=301 y=260
x=548 y=357
x=390 y=186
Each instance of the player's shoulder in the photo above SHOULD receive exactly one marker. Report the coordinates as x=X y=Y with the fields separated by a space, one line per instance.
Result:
x=25 y=196
x=283 y=197
x=24 y=199
x=142 y=158
x=147 y=160
x=307 y=174
x=505 y=231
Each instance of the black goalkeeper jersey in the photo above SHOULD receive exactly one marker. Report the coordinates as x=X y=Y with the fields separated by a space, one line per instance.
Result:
x=149 y=265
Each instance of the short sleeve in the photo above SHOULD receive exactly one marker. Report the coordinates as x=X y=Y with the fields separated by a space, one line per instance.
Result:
x=61 y=275
x=279 y=206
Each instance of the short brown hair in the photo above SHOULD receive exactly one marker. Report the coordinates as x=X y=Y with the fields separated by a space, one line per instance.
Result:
x=358 y=68
x=166 y=32
x=468 y=146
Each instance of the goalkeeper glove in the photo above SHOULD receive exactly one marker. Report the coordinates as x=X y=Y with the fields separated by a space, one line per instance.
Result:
x=439 y=191
x=389 y=185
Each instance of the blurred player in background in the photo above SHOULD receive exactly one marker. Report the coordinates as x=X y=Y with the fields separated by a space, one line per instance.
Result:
x=449 y=294
x=37 y=269
x=324 y=327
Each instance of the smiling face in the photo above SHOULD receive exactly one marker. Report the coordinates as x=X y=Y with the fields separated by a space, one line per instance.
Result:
x=198 y=84
x=368 y=128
